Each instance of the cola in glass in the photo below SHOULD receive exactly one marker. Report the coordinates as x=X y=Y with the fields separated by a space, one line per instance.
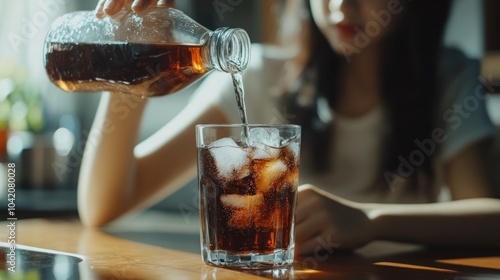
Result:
x=248 y=194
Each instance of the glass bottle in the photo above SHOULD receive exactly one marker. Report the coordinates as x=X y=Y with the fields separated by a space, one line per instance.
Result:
x=154 y=53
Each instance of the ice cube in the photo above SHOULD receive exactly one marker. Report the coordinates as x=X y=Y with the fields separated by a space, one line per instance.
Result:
x=268 y=173
x=224 y=142
x=245 y=202
x=231 y=161
x=294 y=148
x=292 y=178
x=265 y=152
x=265 y=142
x=268 y=136
x=244 y=209
x=241 y=219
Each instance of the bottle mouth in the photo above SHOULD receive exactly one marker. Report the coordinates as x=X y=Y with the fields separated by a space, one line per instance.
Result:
x=232 y=49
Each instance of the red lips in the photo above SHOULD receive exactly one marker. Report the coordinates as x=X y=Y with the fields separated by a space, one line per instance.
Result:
x=347 y=29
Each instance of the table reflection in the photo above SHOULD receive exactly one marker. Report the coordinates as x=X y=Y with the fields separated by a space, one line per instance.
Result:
x=26 y=262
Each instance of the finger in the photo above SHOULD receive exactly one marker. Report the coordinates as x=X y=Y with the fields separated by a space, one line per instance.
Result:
x=99 y=9
x=128 y=4
x=165 y=3
x=161 y=3
x=310 y=227
x=113 y=6
x=306 y=247
x=306 y=196
x=139 y=5
x=307 y=202
x=303 y=209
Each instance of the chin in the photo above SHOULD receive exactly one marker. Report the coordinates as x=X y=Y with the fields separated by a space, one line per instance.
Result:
x=338 y=45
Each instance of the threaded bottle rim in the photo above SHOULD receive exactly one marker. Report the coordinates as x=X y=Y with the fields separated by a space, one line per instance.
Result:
x=229 y=49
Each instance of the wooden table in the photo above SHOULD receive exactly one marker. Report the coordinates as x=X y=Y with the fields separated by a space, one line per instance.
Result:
x=110 y=257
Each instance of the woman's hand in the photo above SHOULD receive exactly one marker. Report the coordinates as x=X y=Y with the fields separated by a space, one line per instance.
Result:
x=326 y=222
x=111 y=7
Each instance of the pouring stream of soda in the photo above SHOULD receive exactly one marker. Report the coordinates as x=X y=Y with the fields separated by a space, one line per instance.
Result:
x=240 y=97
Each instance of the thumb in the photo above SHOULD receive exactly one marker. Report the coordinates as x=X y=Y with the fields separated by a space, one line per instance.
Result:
x=166 y=3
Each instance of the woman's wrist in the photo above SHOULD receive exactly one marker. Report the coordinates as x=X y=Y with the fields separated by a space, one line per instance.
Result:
x=375 y=220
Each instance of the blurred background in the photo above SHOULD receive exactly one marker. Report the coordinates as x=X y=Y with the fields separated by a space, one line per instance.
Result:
x=43 y=129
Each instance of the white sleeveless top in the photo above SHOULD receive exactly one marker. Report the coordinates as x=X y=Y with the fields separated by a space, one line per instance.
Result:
x=356 y=155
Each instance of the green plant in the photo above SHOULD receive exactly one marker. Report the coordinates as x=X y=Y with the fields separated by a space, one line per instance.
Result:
x=21 y=107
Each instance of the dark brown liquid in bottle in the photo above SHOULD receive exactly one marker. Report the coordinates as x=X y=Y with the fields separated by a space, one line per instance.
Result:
x=140 y=69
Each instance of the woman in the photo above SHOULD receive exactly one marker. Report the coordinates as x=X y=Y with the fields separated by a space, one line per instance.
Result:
x=382 y=108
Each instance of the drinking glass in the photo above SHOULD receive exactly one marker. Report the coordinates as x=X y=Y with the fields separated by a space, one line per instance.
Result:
x=248 y=177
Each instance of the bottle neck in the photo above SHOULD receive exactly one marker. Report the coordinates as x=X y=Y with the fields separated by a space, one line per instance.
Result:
x=229 y=49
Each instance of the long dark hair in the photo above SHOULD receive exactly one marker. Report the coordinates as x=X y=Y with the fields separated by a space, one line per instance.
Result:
x=408 y=87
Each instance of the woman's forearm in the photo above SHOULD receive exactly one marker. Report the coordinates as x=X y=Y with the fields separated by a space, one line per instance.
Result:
x=468 y=222
x=108 y=165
